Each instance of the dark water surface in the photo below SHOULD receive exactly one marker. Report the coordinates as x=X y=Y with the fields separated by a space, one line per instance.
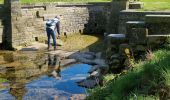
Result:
x=30 y=76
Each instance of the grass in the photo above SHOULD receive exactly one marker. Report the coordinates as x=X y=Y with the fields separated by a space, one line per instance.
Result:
x=153 y=5
x=46 y=1
x=1 y=1
x=82 y=42
x=35 y=1
x=149 y=80
x=149 y=5
x=2 y=80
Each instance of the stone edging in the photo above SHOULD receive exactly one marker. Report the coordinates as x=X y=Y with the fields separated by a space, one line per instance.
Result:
x=63 y=4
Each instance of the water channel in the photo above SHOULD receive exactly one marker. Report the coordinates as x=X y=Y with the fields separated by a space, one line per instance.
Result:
x=39 y=76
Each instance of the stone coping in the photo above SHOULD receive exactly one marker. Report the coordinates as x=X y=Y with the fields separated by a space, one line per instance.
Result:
x=116 y=35
x=158 y=16
x=152 y=18
x=66 y=4
x=163 y=35
x=135 y=22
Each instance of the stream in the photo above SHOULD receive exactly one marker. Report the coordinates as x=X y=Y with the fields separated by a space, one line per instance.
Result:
x=39 y=76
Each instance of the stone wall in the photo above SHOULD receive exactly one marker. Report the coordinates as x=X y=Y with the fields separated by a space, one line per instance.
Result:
x=136 y=16
x=1 y=22
x=28 y=20
x=116 y=7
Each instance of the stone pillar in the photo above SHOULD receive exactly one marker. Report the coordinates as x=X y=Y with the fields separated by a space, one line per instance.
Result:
x=7 y=34
x=116 y=7
x=16 y=23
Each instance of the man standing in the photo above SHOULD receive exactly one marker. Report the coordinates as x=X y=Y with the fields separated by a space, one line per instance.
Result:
x=51 y=26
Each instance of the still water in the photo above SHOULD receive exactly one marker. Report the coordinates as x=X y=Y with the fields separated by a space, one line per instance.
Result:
x=37 y=76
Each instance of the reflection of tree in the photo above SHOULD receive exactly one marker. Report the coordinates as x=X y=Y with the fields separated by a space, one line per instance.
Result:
x=18 y=90
x=22 y=68
x=17 y=84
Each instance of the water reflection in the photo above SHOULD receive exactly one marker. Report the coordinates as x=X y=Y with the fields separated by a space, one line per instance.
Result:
x=37 y=76
x=54 y=64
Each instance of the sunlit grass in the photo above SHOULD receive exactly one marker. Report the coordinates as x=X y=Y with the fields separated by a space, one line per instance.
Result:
x=1 y=1
x=148 y=77
x=35 y=1
x=82 y=42
x=153 y=5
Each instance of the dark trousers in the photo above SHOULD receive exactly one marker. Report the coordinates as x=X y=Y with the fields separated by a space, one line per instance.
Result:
x=50 y=33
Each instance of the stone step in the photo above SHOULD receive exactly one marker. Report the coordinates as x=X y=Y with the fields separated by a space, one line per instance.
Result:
x=135 y=24
x=157 y=18
x=115 y=38
x=160 y=35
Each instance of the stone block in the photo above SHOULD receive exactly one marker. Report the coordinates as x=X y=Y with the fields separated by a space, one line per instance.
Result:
x=1 y=29
x=157 y=19
x=136 y=5
x=115 y=39
x=1 y=35
x=1 y=39
x=155 y=39
x=134 y=24
x=0 y=22
x=137 y=35
x=159 y=29
x=158 y=24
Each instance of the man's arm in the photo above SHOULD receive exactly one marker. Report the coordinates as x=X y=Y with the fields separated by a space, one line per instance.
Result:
x=58 y=28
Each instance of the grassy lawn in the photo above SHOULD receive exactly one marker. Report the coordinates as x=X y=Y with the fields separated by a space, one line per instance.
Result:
x=38 y=1
x=34 y=1
x=1 y=1
x=149 y=80
x=156 y=5
x=151 y=5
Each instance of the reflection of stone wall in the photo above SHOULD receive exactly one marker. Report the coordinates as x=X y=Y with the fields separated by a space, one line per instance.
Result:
x=138 y=16
x=28 y=23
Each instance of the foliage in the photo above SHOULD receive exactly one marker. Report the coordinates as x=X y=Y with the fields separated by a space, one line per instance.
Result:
x=2 y=80
x=148 y=80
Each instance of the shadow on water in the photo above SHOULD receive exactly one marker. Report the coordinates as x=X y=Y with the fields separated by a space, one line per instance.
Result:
x=36 y=76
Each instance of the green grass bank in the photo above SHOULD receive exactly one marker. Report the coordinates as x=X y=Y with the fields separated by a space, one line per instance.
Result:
x=37 y=1
x=47 y=1
x=1 y=1
x=153 y=5
x=149 y=80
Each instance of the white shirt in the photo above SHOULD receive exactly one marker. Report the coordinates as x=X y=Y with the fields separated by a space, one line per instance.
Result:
x=54 y=22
